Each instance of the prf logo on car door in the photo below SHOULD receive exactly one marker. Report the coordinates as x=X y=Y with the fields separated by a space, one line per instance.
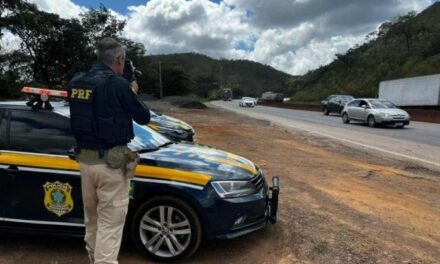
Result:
x=58 y=197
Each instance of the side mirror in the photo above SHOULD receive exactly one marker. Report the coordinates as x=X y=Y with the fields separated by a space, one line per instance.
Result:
x=71 y=154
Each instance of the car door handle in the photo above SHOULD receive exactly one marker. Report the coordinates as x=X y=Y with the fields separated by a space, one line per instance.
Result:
x=13 y=167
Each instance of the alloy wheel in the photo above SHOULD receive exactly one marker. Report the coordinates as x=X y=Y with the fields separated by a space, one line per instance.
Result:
x=165 y=231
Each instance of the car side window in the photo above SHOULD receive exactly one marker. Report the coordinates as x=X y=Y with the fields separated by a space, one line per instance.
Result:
x=362 y=103
x=3 y=130
x=354 y=103
x=40 y=132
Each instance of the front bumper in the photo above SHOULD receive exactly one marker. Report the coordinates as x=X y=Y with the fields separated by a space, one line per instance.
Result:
x=255 y=214
x=395 y=122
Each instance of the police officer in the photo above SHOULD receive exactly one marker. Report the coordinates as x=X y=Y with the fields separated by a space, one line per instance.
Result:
x=102 y=109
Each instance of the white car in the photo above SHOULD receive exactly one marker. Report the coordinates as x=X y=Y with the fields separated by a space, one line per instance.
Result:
x=375 y=112
x=247 y=102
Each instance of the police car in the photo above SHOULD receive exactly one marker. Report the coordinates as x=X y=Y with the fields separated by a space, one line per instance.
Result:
x=181 y=194
x=171 y=127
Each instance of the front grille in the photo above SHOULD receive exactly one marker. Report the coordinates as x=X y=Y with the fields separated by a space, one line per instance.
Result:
x=258 y=181
x=398 y=117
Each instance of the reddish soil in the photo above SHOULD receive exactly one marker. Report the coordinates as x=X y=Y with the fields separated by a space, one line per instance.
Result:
x=337 y=205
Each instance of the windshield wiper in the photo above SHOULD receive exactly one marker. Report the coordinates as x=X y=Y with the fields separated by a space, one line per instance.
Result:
x=155 y=148
x=166 y=144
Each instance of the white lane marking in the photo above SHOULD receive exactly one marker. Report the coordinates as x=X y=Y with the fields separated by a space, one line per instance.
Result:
x=169 y=182
x=368 y=146
x=268 y=118
x=23 y=221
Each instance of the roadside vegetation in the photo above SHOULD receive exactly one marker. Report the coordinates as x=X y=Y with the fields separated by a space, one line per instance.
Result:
x=407 y=46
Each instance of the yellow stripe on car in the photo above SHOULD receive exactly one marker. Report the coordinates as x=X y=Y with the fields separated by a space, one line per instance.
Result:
x=30 y=160
x=234 y=164
x=62 y=163
x=154 y=127
x=172 y=174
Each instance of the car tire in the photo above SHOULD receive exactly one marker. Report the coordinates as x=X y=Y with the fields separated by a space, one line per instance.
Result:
x=166 y=229
x=345 y=118
x=341 y=110
x=325 y=110
x=371 y=121
x=401 y=127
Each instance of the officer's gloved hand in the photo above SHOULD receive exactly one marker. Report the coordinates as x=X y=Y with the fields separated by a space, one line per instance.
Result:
x=134 y=87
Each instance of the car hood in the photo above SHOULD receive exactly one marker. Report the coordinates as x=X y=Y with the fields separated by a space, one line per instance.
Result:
x=392 y=111
x=169 y=122
x=218 y=164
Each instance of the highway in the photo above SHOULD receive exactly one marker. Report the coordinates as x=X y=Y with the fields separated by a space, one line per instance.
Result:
x=418 y=142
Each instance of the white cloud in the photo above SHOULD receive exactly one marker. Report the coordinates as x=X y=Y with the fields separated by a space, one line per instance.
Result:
x=180 y=26
x=9 y=42
x=291 y=35
x=64 y=8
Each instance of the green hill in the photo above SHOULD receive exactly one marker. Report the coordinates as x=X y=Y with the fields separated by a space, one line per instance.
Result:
x=405 y=47
x=244 y=77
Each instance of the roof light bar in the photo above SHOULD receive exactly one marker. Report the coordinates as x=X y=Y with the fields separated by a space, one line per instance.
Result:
x=43 y=91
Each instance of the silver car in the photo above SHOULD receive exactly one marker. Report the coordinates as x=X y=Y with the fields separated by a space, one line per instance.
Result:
x=374 y=112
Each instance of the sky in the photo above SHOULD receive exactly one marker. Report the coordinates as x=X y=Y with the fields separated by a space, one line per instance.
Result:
x=293 y=36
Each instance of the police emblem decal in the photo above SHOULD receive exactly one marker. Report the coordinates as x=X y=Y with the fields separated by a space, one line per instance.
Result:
x=58 y=197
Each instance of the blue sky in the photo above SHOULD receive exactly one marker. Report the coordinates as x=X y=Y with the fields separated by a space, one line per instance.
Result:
x=119 y=6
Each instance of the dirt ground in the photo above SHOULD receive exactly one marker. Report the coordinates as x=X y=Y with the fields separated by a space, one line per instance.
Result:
x=337 y=205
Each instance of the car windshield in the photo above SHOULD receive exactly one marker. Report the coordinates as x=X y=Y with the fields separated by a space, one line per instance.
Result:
x=146 y=139
x=346 y=98
x=381 y=104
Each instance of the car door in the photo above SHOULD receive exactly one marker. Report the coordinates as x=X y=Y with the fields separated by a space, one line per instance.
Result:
x=333 y=105
x=353 y=109
x=363 y=110
x=46 y=187
x=4 y=181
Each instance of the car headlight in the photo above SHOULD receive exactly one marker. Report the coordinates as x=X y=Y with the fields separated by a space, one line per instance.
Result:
x=384 y=115
x=233 y=189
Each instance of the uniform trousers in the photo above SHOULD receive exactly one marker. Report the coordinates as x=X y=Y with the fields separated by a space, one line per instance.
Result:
x=105 y=193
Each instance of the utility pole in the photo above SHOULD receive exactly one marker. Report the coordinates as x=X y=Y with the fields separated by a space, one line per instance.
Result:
x=221 y=76
x=160 y=81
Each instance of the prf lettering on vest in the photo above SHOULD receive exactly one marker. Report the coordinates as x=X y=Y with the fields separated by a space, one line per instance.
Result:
x=81 y=93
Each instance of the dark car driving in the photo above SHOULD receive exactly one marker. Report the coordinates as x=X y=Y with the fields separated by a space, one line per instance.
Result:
x=335 y=103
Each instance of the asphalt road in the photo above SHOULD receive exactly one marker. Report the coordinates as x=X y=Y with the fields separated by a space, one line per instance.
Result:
x=418 y=142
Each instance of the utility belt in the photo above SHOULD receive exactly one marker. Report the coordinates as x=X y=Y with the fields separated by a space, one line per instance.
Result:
x=118 y=157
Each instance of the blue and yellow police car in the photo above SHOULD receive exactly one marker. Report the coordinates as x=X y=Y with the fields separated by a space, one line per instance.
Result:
x=172 y=128
x=181 y=194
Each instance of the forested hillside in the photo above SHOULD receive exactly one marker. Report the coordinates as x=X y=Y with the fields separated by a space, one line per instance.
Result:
x=244 y=77
x=405 y=47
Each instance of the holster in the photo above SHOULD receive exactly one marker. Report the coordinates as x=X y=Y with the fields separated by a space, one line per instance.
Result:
x=132 y=162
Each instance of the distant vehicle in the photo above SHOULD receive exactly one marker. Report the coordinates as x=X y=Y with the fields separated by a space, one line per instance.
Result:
x=335 y=103
x=417 y=91
x=227 y=94
x=247 y=102
x=375 y=112
x=271 y=96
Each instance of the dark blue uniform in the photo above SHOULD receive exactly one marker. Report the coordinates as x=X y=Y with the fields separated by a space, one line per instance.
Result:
x=102 y=107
